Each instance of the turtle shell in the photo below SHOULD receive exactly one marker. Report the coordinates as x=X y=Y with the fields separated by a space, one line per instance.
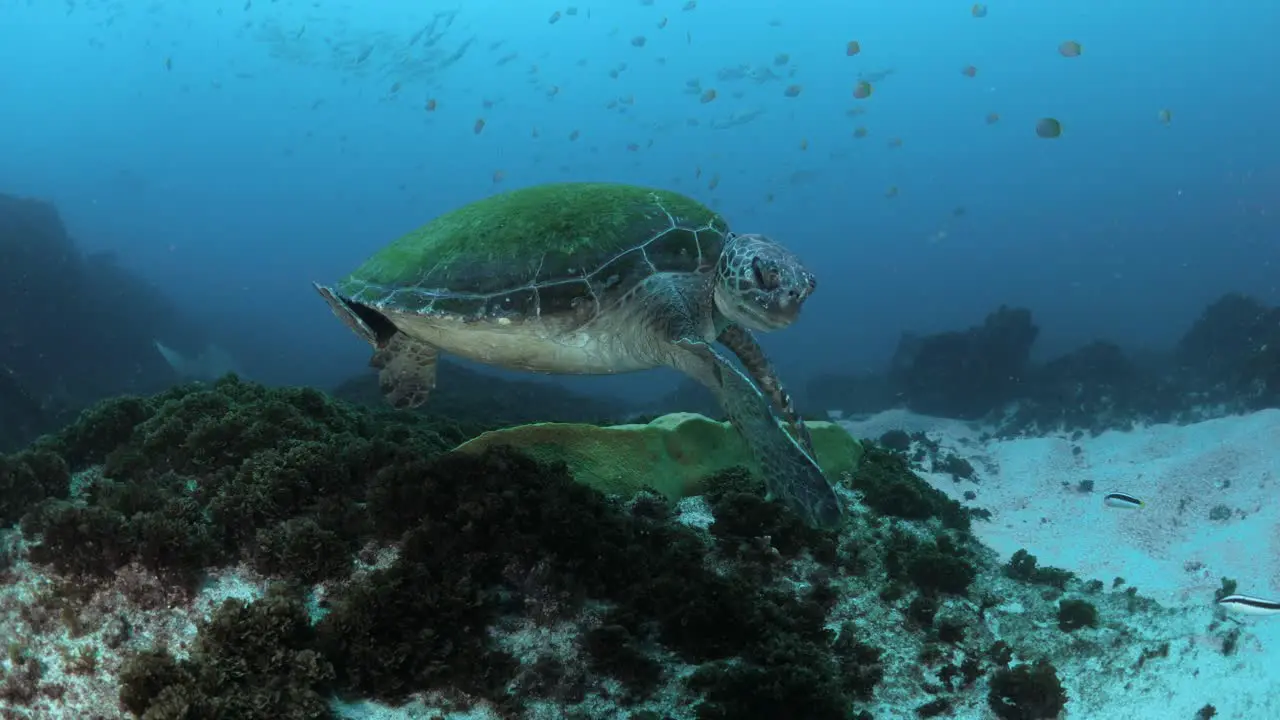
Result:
x=563 y=249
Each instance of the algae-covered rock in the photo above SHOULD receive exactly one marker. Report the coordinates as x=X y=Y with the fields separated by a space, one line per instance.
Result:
x=669 y=455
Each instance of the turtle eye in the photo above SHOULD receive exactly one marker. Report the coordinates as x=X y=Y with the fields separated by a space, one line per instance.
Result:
x=766 y=277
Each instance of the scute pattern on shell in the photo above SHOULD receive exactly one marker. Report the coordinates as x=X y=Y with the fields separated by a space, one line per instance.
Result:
x=566 y=249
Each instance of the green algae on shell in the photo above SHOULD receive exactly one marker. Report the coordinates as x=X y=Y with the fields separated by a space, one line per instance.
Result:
x=544 y=250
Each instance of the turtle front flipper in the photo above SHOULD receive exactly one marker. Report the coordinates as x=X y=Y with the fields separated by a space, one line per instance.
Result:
x=790 y=473
x=406 y=370
x=744 y=345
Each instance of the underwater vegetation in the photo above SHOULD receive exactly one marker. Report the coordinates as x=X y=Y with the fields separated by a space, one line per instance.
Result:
x=390 y=569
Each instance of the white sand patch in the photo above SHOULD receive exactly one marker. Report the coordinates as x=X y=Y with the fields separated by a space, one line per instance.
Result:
x=1170 y=549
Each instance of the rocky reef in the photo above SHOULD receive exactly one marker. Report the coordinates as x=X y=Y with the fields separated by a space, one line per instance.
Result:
x=74 y=327
x=237 y=551
x=1228 y=361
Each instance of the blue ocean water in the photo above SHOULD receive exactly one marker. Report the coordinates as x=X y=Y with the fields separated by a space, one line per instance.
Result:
x=234 y=152
x=217 y=158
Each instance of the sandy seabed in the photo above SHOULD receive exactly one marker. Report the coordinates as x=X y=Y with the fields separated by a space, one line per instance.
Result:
x=1211 y=494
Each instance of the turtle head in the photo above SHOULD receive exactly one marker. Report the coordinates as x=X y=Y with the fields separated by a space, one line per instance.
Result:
x=761 y=284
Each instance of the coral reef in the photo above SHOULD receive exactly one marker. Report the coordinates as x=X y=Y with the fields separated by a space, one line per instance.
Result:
x=250 y=660
x=229 y=550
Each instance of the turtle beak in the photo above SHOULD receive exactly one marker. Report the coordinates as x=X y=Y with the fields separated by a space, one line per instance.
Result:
x=791 y=296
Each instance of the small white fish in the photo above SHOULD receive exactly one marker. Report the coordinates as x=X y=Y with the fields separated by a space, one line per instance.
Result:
x=1121 y=500
x=1249 y=605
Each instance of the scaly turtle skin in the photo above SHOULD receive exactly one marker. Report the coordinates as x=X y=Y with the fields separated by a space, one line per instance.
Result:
x=593 y=278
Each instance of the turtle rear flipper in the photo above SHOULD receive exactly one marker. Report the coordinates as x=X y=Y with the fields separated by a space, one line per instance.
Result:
x=406 y=370
x=370 y=325
x=790 y=473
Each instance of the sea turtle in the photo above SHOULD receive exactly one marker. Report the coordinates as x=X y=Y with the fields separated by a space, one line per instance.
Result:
x=593 y=278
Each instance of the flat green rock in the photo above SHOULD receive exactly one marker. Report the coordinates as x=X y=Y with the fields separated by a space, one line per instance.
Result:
x=671 y=455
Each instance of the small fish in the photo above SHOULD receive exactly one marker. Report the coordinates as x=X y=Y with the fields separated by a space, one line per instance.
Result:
x=499 y=176
x=707 y=96
x=1121 y=500
x=478 y=127
x=1249 y=605
x=860 y=132
x=555 y=18
x=853 y=47
x=978 y=10
x=862 y=90
x=431 y=105
x=993 y=118
x=1048 y=128
x=892 y=192
x=638 y=41
x=1069 y=48
x=662 y=23
x=1166 y=116
x=690 y=5
x=969 y=71
x=574 y=135
x=793 y=91
x=781 y=59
